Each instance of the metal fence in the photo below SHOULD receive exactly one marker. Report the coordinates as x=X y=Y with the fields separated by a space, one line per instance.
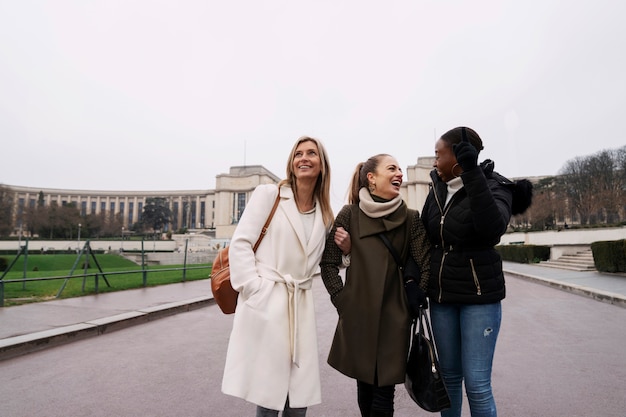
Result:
x=97 y=276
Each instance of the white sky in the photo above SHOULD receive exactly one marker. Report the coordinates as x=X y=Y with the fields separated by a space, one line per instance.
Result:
x=165 y=95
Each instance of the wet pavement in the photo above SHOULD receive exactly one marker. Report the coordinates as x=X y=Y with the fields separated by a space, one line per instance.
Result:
x=32 y=327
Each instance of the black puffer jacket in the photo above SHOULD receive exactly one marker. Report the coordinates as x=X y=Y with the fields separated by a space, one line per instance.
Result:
x=465 y=267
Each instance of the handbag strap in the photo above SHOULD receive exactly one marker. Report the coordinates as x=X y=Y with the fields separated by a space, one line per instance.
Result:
x=393 y=250
x=423 y=320
x=267 y=222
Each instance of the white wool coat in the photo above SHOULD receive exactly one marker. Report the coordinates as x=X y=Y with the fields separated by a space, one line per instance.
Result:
x=272 y=351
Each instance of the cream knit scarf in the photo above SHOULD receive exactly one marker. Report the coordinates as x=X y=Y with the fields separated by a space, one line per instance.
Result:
x=375 y=209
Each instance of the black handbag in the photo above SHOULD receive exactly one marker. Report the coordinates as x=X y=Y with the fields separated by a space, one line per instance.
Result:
x=423 y=381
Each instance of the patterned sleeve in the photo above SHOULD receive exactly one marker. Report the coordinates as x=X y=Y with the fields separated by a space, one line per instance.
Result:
x=331 y=258
x=420 y=250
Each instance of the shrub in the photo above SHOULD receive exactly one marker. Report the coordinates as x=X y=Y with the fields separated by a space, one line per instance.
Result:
x=524 y=253
x=609 y=256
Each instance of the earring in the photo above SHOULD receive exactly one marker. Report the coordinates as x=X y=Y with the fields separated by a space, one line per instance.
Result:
x=452 y=170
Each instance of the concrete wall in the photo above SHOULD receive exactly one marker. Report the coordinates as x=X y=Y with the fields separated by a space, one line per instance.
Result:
x=203 y=249
x=565 y=242
x=565 y=237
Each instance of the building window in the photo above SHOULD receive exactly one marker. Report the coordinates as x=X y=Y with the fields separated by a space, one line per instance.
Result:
x=175 y=224
x=93 y=207
x=185 y=222
x=239 y=206
x=130 y=213
x=20 y=208
x=83 y=208
x=139 y=211
x=193 y=223
x=202 y=218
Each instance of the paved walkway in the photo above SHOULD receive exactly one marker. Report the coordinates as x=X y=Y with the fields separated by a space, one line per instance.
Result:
x=32 y=327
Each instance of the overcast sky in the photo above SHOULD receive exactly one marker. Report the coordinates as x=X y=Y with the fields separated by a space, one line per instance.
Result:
x=165 y=95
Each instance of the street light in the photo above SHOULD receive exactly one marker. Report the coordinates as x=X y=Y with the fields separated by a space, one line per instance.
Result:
x=122 y=244
x=78 y=240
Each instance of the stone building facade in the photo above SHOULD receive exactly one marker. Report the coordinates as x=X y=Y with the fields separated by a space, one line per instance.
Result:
x=217 y=209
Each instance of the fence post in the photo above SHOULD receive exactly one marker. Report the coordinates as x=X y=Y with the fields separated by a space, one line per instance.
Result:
x=25 y=264
x=185 y=262
x=143 y=265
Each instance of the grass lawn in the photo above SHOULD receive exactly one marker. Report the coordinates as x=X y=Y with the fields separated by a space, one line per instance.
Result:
x=47 y=275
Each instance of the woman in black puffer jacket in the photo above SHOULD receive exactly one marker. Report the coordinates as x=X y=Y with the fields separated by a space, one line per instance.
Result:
x=466 y=212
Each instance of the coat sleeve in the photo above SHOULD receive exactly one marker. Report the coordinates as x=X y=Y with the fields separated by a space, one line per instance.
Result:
x=331 y=258
x=243 y=272
x=419 y=248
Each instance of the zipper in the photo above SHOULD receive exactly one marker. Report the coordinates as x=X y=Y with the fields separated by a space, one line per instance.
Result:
x=445 y=252
x=440 y=273
x=475 y=275
x=433 y=368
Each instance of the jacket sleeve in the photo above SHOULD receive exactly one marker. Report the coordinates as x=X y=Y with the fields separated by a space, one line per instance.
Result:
x=490 y=207
x=331 y=258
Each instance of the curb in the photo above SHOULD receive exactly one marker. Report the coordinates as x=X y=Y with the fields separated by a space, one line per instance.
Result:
x=12 y=347
x=598 y=295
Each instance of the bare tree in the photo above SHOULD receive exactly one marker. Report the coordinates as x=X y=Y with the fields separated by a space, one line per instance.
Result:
x=542 y=213
x=579 y=188
x=608 y=187
x=6 y=210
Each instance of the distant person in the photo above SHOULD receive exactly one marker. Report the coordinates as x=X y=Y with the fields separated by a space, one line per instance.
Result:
x=272 y=358
x=372 y=337
x=465 y=214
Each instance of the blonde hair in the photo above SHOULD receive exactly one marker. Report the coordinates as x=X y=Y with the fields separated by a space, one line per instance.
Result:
x=322 y=186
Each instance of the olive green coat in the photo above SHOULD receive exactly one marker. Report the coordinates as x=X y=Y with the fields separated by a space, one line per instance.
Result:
x=373 y=331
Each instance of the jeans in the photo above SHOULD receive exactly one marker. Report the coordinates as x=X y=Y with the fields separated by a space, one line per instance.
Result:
x=465 y=336
x=287 y=412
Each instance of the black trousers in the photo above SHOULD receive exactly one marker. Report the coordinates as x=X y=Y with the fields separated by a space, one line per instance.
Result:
x=371 y=397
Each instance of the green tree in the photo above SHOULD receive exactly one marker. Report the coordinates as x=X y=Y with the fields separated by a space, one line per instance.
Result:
x=156 y=213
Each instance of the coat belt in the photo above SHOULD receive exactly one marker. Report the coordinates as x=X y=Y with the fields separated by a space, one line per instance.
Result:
x=294 y=288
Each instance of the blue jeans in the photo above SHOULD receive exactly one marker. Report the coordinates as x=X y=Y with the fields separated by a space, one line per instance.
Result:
x=465 y=336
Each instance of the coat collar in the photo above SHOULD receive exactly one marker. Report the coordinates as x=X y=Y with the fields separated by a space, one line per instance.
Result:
x=288 y=204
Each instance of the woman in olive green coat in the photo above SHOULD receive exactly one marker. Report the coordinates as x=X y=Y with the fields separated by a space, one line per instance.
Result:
x=371 y=342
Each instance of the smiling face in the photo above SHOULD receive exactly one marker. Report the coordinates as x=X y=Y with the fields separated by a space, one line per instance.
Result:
x=445 y=160
x=387 y=178
x=306 y=163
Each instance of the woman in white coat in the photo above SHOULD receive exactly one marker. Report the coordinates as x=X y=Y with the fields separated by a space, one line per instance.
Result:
x=272 y=358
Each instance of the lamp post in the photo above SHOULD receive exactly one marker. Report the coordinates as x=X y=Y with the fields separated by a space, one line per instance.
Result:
x=78 y=240
x=122 y=243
